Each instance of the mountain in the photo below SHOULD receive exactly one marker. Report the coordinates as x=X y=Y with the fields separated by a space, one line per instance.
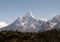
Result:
x=28 y=23
x=56 y=20
x=3 y=24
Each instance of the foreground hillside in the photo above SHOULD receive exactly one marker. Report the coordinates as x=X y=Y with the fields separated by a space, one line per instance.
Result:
x=16 y=36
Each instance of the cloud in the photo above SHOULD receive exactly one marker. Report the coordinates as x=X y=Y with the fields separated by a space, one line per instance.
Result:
x=3 y=24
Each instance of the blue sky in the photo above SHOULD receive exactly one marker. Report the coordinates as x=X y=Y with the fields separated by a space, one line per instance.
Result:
x=11 y=9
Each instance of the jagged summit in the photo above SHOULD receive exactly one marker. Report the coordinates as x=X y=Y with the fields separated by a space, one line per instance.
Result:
x=56 y=18
x=29 y=14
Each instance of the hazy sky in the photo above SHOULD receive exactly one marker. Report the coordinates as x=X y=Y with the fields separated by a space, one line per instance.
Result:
x=11 y=9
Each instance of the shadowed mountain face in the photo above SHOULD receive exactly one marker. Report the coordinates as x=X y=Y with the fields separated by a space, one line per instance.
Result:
x=29 y=23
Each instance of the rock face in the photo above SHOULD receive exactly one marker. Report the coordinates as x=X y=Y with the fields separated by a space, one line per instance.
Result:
x=29 y=23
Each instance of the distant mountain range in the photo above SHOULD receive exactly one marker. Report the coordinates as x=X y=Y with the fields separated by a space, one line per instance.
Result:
x=29 y=23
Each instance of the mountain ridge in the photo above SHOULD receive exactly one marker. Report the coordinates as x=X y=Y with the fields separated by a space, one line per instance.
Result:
x=29 y=23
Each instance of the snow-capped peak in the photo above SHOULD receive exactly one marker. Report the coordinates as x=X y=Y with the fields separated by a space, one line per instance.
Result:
x=29 y=14
x=56 y=19
x=57 y=16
